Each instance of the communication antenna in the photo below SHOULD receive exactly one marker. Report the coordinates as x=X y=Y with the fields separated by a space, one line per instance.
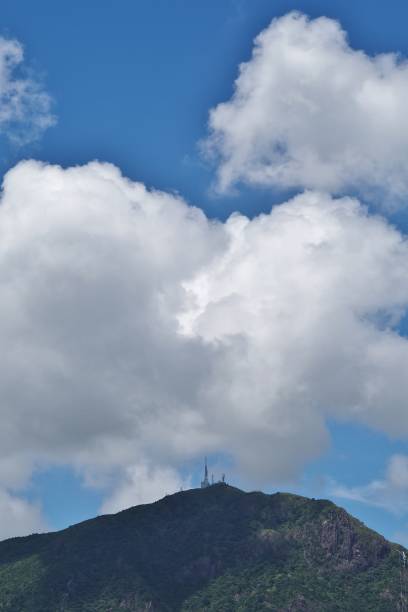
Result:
x=403 y=581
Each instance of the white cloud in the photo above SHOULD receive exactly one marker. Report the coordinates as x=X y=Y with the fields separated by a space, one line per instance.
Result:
x=142 y=485
x=18 y=517
x=25 y=108
x=308 y=111
x=390 y=492
x=138 y=335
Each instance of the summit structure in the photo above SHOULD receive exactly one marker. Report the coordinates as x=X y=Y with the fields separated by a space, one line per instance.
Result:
x=206 y=483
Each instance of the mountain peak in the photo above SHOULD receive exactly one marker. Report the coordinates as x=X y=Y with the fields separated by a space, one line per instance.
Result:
x=217 y=548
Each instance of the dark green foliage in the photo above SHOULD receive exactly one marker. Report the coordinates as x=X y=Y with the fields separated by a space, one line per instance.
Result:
x=217 y=549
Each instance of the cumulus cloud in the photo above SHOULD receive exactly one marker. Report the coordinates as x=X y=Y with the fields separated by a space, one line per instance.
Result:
x=138 y=335
x=308 y=111
x=18 y=517
x=25 y=108
x=143 y=485
x=389 y=492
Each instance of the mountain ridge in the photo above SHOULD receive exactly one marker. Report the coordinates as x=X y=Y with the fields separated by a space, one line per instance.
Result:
x=217 y=549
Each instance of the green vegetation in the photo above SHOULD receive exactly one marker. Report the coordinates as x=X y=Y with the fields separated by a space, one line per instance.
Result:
x=217 y=549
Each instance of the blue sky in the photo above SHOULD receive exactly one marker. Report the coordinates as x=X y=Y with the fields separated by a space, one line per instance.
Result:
x=132 y=84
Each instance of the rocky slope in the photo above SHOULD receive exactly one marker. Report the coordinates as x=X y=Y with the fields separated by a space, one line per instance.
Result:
x=217 y=549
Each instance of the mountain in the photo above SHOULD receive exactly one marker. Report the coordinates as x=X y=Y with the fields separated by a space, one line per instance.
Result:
x=216 y=549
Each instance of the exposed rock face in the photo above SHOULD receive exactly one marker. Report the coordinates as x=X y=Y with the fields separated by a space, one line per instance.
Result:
x=341 y=540
x=216 y=549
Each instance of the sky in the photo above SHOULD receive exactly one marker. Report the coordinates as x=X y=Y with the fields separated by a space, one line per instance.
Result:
x=203 y=251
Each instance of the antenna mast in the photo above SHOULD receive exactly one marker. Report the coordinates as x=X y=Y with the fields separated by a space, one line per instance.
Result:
x=205 y=483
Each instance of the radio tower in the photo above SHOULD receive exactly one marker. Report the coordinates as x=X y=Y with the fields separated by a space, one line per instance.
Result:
x=205 y=483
